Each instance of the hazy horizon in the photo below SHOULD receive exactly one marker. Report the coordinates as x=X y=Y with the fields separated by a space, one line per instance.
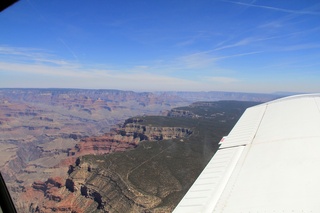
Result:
x=159 y=91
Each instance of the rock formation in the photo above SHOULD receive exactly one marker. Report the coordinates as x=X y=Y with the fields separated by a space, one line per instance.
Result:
x=46 y=133
x=88 y=187
x=127 y=137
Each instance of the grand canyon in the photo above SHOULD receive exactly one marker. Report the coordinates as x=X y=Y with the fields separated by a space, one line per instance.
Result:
x=77 y=150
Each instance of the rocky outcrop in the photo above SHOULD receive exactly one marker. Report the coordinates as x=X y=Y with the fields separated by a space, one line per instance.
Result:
x=42 y=126
x=156 y=133
x=134 y=127
x=151 y=178
x=90 y=189
x=127 y=137
x=108 y=143
x=39 y=185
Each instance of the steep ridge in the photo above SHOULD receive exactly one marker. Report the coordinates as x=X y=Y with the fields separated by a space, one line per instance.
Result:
x=126 y=137
x=91 y=190
x=95 y=189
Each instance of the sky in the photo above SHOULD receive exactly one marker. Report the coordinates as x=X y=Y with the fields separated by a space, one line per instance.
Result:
x=259 y=46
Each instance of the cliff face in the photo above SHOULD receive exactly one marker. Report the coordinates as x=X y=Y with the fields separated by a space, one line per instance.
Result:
x=108 y=143
x=156 y=133
x=57 y=196
x=127 y=137
x=89 y=188
x=39 y=128
x=45 y=131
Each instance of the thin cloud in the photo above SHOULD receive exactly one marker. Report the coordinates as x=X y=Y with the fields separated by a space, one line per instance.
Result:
x=196 y=60
x=238 y=55
x=26 y=52
x=185 y=43
x=39 y=64
x=29 y=54
x=192 y=39
x=96 y=78
x=42 y=69
x=302 y=12
x=221 y=79
x=205 y=59
x=71 y=74
x=248 y=41
x=242 y=42
x=69 y=49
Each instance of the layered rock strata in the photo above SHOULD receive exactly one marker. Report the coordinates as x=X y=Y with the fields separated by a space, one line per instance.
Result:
x=127 y=137
x=90 y=189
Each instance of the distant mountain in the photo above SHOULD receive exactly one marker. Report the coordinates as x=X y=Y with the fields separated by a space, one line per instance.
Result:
x=216 y=96
x=283 y=93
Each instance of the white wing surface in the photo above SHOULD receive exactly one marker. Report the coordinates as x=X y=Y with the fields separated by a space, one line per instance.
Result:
x=270 y=162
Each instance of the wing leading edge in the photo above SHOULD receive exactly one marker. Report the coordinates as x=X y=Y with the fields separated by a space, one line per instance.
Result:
x=268 y=163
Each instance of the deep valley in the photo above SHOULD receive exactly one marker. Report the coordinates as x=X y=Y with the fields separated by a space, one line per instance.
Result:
x=108 y=151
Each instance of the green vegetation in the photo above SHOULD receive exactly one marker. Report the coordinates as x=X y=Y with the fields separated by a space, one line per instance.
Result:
x=168 y=168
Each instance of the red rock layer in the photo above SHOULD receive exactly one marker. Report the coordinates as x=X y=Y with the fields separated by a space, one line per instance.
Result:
x=57 y=197
x=107 y=143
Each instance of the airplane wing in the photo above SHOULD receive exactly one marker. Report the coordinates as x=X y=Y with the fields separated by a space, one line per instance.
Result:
x=269 y=162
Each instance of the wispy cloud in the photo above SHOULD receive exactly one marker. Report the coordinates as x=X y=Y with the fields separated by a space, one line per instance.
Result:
x=194 y=38
x=242 y=42
x=249 y=40
x=29 y=54
x=42 y=69
x=302 y=12
x=26 y=52
x=221 y=79
x=69 y=49
x=238 y=55
x=186 y=42
x=196 y=60
x=37 y=64
x=95 y=78
x=138 y=77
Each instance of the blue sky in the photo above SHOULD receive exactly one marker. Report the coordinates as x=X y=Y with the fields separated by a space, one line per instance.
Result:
x=156 y=45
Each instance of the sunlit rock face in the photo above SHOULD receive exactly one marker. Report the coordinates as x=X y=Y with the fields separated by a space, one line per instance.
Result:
x=106 y=188
x=40 y=128
x=127 y=137
x=90 y=189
